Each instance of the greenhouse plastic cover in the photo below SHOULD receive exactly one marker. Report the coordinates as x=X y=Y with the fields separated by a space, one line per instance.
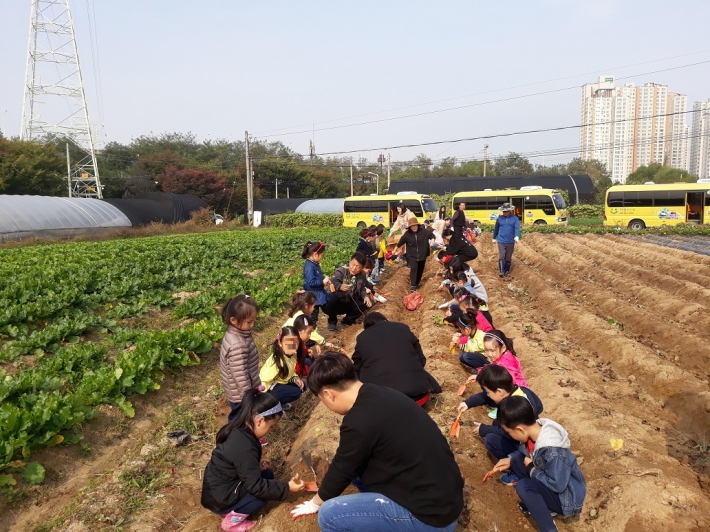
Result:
x=322 y=206
x=46 y=213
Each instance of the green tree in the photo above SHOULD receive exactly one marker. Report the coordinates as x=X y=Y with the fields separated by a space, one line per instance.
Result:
x=512 y=164
x=29 y=167
x=659 y=174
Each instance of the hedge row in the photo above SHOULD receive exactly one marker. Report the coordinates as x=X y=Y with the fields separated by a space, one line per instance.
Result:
x=585 y=211
x=302 y=219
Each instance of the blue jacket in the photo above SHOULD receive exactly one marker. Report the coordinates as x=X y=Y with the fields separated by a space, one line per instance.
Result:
x=556 y=467
x=506 y=229
x=313 y=281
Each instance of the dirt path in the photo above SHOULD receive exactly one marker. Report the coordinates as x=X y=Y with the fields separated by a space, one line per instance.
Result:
x=641 y=376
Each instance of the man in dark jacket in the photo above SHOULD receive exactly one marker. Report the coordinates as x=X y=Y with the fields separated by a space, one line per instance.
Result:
x=392 y=449
x=458 y=220
x=388 y=354
x=458 y=246
x=416 y=238
x=352 y=293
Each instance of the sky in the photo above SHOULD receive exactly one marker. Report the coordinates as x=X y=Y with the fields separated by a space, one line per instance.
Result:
x=218 y=68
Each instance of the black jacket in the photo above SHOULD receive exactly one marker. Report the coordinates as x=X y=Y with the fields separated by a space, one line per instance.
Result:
x=482 y=398
x=397 y=450
x=364 y=247
x=233 y=472
x=460 y=247
x=388 y=354
x=358 y=285
x=417 y=243
x=458 y=221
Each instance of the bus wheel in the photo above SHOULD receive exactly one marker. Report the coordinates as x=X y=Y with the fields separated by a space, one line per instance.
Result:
x=361 y=225
x=637 y=225
x=540 y=222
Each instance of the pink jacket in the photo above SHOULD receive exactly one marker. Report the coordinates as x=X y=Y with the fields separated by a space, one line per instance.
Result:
x=510 y=362
x=482 y=323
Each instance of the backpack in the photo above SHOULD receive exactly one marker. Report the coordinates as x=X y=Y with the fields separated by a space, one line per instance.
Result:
x=413 y=301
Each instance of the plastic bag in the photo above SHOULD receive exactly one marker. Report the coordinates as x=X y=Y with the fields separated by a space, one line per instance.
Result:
x=413 y=301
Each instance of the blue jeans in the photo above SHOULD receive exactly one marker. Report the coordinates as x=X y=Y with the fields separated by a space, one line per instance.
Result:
x=539 y=499
x=286 y=393
x=474 y=360
x=500 y=446
x=235 y=411
x=249 y=504
x=372 y=512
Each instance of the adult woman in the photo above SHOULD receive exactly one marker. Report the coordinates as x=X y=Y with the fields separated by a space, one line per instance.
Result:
x=441 y=215
x=458 y=220
x=458 y=246
x=388 y=354
x=352 y=293
x=416 y=238
x=506 y=233
x=403 y=217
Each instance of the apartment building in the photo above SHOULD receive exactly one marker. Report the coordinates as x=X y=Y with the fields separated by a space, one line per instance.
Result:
x=627 y=127
x=699 y=163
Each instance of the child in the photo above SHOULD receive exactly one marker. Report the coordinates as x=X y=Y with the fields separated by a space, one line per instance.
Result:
x=550 y=478
x=470 y=341
x=364 y=245
x=304 y=326
x=279 y=371
x=238 y=357
x=382 y=249
x=237 y=482
x=313 y=279
x=463 y=301
x=497 y=384
x=499 y=350
x=306 y=303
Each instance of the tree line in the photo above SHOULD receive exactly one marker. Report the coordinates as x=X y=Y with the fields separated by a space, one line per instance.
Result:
x=215 y=170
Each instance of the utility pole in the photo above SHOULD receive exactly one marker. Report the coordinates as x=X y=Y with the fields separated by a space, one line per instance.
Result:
x=351 y=178
x=485 y=156
x=68 y=170
x=388 y=172
x=288 y=194
x=250 y=192
x=277 y=189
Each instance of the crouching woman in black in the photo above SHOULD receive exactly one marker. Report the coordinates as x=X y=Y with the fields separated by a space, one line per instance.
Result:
x=237 y=481
x=352 y=295
x=388 y=354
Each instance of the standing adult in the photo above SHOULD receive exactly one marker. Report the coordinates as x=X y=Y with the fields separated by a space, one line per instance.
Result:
x=458 y=220
x=351 y=295
x=403 y=217
x=506 y=233
x=441 y=215
x=388 y=354
x=391 y=450
x=416 y=238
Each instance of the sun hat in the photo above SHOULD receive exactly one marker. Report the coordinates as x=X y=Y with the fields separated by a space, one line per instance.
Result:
x=412 y=222
x=506 y=207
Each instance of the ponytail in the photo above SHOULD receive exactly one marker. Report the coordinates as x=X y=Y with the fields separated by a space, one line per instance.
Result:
x=254 y=402
x=300 y=300
x=468 y=319
x=310 y=248
x=278 y=353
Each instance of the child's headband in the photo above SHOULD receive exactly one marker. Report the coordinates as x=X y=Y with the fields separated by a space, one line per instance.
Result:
x=496 y=338
x=271 y=411
x=462 y=323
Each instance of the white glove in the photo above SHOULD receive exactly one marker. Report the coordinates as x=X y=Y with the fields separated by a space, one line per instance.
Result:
x=305 y=508
x=493 y=240
x=516 y=239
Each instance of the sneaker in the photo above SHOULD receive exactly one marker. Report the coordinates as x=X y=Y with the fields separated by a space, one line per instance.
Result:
x=234 y=522
x=263 y=441
x=523 y=508
x=375 y=281
x=286 y=407
x=332 y=327
x=509 y=479
x=414 y=289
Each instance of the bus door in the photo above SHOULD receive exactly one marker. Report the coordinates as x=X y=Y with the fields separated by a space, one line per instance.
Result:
x=393 y=211
x=695 y=207
x=519 y=204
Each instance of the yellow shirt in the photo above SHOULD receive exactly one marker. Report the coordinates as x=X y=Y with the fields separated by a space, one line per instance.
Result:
x=269 y=371
x=317 y=338
x=475 y=343
x=383 y=249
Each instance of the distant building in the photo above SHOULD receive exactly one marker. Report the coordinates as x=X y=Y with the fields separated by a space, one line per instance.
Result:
x=699 y=163
x=627 y=127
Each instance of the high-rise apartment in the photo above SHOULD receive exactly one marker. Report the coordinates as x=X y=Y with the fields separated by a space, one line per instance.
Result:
x=627 y=127
x=699 y=163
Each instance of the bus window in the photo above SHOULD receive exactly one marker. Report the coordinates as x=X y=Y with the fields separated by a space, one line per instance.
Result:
x=496 y=201
x=415 y=206
x=429 y=205
x=615 y=199
x=645 y=199
x=543 y=203
x=559 y=201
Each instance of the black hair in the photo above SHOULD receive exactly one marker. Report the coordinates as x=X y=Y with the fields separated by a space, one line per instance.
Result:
x=468 y=319
x=494 y=377
x=443 y=209
x=516 y=410
x=441 y=254
x=507 y=342
x=312 y=247
x=278 y=353
x=240 y=308
x=359 y=258
x=447 y=233
x=301 y=300
x=457 y=265
x=331 y=370
x=461 y=276
x=470 y=300
x=365 y=233
x=380 y=229
x=302 y=322
x=368 y=265
x=253 y=403
x=373 y=317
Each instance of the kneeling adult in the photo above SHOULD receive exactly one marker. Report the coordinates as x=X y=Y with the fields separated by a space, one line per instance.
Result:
x=458 y=246
x=391 y=450
x=351 y=296
x=388 y=354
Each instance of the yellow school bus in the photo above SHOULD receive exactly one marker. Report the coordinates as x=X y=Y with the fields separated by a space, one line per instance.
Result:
x=651 y=205
x=533 y=205
x=363 y=211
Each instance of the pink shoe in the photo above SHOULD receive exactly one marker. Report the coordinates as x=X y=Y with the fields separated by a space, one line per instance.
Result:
x=234 y=522
x=263 y=441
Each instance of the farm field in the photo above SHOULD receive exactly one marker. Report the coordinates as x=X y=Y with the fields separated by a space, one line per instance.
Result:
x=612 y=334
x=696 y=244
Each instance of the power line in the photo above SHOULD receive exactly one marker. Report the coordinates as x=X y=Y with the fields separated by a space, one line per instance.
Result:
x=478 y=104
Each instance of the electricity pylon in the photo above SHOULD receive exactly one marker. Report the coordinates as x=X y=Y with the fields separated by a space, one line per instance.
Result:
x=55 y=100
